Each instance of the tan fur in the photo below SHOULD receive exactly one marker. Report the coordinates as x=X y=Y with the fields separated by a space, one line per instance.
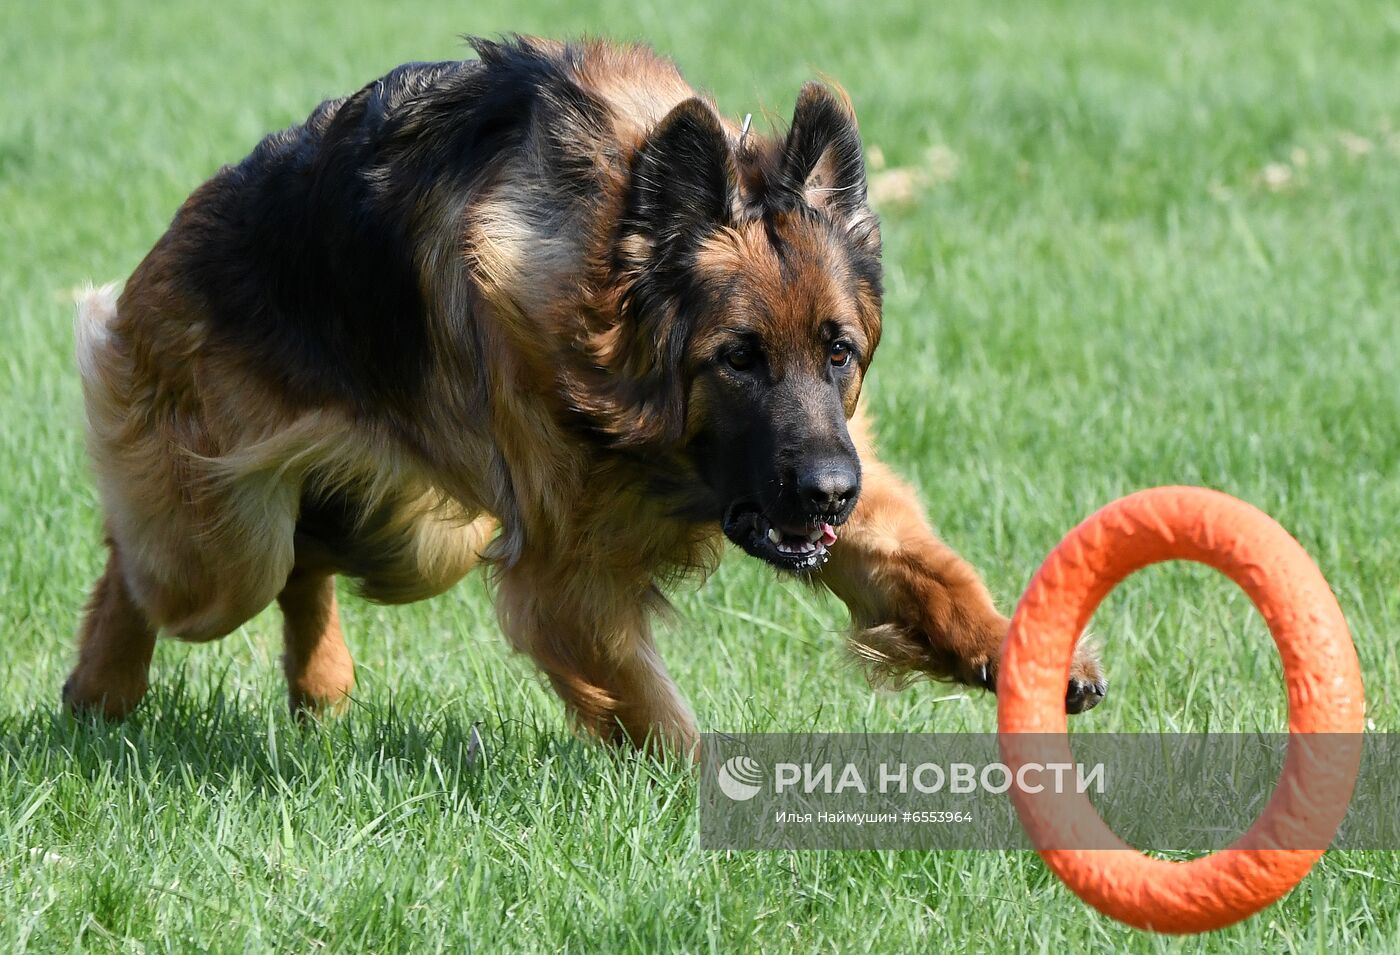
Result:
x=745 y=253
x=641 y=87
x=320 y=674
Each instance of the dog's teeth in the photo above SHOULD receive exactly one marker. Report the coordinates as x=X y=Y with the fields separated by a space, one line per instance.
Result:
x=814 y=536
x=775 y=535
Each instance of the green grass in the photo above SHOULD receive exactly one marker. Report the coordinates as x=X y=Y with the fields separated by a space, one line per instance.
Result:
x=1168 y=253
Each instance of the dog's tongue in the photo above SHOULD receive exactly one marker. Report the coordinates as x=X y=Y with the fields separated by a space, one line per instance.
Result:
x=828 y=535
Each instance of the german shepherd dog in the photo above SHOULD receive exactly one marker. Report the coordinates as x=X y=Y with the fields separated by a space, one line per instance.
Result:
x=545 y=308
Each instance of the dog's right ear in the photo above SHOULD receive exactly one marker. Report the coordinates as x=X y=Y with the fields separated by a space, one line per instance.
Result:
x=683 y=183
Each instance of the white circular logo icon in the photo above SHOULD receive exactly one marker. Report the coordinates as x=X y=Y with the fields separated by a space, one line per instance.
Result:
x=740 y=778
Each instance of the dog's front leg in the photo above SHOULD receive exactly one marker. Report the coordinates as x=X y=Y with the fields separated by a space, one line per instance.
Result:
x=917 y=608
x=592 y=638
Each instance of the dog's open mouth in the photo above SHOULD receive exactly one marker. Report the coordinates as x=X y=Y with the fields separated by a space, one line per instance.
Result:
x=787 y=547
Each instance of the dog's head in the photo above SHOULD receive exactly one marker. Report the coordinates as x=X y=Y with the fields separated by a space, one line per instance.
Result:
x=750 y=308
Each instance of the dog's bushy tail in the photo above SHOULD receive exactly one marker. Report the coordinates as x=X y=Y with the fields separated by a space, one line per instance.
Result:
x=103 y=372
x=97 y=307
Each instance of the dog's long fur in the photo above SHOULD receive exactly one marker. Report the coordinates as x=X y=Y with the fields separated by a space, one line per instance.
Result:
x=460 y=315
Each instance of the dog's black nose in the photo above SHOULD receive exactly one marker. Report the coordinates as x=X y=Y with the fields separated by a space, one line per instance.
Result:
x=827 y=486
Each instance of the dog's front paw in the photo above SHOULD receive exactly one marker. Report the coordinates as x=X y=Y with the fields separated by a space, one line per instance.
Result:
x=1087 y=684
x=1086 y=689
x=1084 y=695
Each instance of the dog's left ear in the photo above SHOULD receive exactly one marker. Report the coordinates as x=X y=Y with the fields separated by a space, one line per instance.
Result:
x=823 y=165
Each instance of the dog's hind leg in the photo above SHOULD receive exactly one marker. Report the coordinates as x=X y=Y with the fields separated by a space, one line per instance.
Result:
x=193 y=552
x=115 y=644
x=320 y=672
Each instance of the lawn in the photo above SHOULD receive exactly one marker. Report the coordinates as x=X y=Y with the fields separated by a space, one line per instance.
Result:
x=1127 y=245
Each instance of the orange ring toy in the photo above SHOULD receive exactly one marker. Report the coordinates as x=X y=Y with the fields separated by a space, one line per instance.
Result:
x=1320 y=671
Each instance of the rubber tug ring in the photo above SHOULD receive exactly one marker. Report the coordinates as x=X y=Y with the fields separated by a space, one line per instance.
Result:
x=1321 y=674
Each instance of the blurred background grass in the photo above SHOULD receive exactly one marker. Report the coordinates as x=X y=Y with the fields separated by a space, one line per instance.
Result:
x=1127 y=245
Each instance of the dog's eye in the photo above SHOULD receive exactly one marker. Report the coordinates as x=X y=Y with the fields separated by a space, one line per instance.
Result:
x=741 y=357
x=840 y=353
